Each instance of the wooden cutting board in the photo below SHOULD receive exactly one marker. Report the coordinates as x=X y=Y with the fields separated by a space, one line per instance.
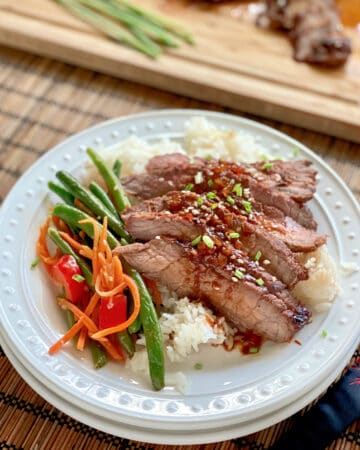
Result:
x=233 y=63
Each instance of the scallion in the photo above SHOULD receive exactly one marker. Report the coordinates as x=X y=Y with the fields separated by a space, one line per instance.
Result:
x=234 y=235
x=35 y=262
x=239 y=274
x=196 y=241
x=258 y=255
x=247 y=206
x=230 y=200
x=77 y=277
x=208 y=241
x=238 y=189
x=259 y=282
x=211 y=195
x=267 y=166
x=189 y=187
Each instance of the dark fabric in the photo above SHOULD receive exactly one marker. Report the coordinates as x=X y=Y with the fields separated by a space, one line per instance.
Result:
x=334 y=412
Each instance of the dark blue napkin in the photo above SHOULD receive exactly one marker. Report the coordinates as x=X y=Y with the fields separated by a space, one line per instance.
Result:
x=325 y=421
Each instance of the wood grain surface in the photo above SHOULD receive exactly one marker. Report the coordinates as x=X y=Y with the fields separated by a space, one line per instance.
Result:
x=41 y=103
x=233 y=63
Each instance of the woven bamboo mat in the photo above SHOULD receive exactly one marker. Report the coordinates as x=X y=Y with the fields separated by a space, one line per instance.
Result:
x=41 y=103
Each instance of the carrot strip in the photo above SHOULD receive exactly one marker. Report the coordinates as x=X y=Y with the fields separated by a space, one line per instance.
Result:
x=75 y=244
x=135 y=294
x=92 y=304
x=82 y=339
x=116 y=290
x=118 y=272
x=67 y=336
x=42 y=248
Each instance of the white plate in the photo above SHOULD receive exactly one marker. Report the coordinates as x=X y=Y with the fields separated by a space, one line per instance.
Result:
x=171 y=437
x=231 y=389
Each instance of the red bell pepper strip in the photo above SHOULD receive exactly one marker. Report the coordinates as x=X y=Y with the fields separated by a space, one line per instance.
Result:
x=67 y=273
x=113 y=311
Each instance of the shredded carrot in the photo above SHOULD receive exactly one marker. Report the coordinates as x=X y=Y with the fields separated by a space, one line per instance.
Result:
x=67 y=336
x=95 y=246
x=84 y=249
x=42 y=248
x=90 y=325
x=116 y=290
x=136 y=297
x=82 y=339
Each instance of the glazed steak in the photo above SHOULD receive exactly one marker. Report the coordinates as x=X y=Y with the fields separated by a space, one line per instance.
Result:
x=282 y=186
x=315 y=29
x=253 y=302
x=178 y=215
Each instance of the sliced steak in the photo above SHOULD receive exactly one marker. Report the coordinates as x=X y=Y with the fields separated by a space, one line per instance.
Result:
x=259 y=304
x=186 y=215
x=275 y=187
x=314 y=28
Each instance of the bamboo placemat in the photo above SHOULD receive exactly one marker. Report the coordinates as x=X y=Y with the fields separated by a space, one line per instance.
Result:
x=41 y=103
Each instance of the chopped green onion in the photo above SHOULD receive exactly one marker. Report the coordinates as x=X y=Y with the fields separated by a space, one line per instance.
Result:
x=234 y=235
x=254 y=350
x=196 y=241
x=199 y=178
x=230 y=200
x=324 y=333
x=208 y=157
x=210 y=183
x=238 y=189
x=79 y=278
x=247 y=206
x=264 y=157
x=214 y=206
x=295 y=151
x=198 y=366
x=200 y=201
x=35 y=262
x=239 y=274
x=259 y=282
x=267 y=166
x=208 y=242
x=211 y=195
x=189 y=187
x=258 y=255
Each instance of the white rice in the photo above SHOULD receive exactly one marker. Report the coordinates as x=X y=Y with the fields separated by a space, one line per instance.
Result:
x=185 y=325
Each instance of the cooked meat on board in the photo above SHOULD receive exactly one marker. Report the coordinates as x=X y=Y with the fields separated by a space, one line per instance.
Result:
x=314 y=28
x=227 y=234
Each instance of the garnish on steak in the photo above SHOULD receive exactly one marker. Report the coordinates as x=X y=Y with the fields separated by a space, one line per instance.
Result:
x=227 y=234
x=314 y=28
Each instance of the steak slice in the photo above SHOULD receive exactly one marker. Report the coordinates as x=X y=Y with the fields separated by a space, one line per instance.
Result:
x=186 y=215
x=261 y=305
x=276 y=188
x=314 y=27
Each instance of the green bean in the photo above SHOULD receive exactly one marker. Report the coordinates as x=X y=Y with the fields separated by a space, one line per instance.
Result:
x=132 y=21
x=98 y=355
x=117 y=168
x=112 y=182
x=91 y=202
x=109 y=27
x=67 y=250
x=152 y=331
x=63 y=193
x=160 y=21
x=126 y=342
x=70 y=320
x=71 y=216
x=99 y=192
